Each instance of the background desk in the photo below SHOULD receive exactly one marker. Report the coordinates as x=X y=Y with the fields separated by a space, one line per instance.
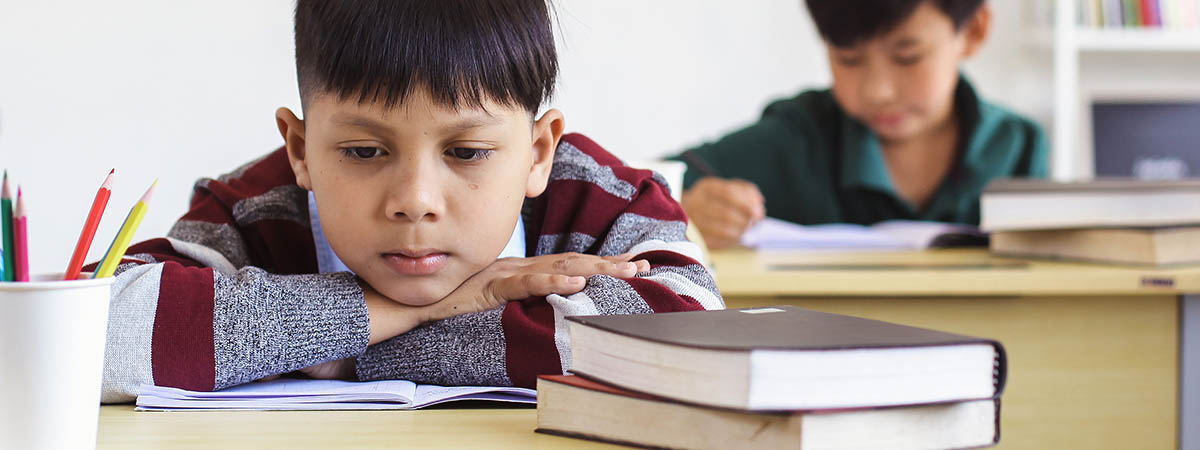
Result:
x=1093 y=350
x=121 y=428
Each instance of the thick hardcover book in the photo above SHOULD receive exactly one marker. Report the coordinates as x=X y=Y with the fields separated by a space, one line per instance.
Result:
x=1010 y=205
x=1141 y=246
x=577 y=407
x=784 y=358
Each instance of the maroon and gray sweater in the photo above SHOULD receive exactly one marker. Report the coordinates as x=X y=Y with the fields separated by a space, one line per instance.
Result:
x=233 y=294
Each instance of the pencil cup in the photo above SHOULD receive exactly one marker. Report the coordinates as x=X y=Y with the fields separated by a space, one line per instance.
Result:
x=52 y=336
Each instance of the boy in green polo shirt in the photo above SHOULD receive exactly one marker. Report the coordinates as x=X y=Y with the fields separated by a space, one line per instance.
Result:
x=900 y=135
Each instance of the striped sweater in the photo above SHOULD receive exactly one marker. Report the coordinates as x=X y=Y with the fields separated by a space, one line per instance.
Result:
x=233 y=293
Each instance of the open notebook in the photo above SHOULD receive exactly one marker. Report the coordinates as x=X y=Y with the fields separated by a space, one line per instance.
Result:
x=302 y=394
x=773 y=233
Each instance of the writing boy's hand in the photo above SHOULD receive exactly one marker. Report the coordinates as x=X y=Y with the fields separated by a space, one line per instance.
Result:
x=723 y=209
x=519 y=278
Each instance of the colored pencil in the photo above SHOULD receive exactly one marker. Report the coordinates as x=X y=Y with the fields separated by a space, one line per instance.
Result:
x=21 y=239
x=6 y=221
x=89 y=229
x=116 y=250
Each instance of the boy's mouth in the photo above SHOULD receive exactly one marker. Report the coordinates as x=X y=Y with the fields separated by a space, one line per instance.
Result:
x=887 y=120
x=420 y=262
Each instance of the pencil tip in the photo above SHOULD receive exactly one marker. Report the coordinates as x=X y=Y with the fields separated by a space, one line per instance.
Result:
x=112 y=171
x=149 y=192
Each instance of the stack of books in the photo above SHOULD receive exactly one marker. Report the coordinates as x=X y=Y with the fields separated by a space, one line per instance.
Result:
x=778 y=377
x=1123 y=221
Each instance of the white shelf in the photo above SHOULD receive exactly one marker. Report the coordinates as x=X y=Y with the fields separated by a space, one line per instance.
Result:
x=1137 y=39
x=1096 y=40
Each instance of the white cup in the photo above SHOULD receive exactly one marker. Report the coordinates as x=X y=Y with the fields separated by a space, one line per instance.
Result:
x=51 y=361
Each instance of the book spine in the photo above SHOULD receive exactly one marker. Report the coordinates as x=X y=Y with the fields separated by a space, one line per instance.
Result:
x=1112 y=13
x=1166 y=13
x=1132 y=17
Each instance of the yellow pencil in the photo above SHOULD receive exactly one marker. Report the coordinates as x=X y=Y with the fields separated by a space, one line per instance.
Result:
x=116 y=250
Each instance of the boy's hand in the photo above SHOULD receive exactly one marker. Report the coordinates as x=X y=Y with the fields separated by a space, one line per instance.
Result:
x=519 y=278
x=338 y=369
x=723 y=209
x=500 y=282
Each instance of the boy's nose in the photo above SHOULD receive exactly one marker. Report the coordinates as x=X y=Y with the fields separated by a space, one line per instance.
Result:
x=877 y=87
x=415 y=197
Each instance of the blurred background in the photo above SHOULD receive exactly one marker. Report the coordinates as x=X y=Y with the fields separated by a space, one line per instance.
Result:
x=185 y=89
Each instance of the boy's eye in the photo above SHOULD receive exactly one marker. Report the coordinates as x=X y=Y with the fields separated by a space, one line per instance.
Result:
x=848 y=60
x=363 y=152
x=469 y=154
x=907 y=60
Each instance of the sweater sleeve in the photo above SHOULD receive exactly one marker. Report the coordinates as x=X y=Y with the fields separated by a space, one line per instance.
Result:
x=190 y=311
x=593 y=205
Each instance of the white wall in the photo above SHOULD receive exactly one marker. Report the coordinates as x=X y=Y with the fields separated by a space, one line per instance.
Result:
x=183 y=89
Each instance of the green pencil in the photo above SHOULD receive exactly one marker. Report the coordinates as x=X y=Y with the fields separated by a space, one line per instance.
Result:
x=6 y=220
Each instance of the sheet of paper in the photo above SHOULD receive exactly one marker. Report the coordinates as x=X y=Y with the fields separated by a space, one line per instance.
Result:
x=773 y=233
x=300 y=394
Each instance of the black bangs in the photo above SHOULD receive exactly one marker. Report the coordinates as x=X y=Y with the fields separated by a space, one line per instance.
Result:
x=462 y=51
x=845 y=23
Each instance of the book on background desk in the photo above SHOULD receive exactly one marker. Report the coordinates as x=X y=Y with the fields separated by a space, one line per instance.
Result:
x=303 y=394
x=576 y=407
x=1011 y=205
x=1145 y=246
x=772 y=234
x=784 y=358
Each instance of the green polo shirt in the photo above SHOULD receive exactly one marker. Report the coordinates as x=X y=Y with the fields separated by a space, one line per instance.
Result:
x=814 y=164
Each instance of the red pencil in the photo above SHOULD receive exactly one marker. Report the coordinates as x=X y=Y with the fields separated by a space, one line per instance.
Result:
x=20 y=240
x=89 y=229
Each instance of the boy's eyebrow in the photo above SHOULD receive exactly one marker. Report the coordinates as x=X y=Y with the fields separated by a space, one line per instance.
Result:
x=905 y=43
x=472 y=121
x=360 y=122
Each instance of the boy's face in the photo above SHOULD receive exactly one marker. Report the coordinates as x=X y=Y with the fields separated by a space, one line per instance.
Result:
x=901 y=84
x=417 y=198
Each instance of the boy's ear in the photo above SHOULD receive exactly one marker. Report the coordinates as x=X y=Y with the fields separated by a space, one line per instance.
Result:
x=292 y=130
x=975 y=31
x=546 y=133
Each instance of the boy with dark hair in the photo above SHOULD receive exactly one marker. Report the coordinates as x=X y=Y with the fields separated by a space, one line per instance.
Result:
x=367 y=246
x=900 y=135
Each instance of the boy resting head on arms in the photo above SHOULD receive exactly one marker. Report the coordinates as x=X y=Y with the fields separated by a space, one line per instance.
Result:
x=367 y=246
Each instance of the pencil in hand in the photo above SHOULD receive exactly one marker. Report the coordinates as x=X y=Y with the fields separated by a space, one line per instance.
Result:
x=89 y=229
x=20 y=241
x=116 y=250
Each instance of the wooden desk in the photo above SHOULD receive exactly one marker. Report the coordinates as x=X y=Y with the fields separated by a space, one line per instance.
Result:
x=122 y=428
x=1093 y=350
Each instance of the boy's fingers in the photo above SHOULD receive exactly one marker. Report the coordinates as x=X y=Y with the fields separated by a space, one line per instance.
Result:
x=590 y=265
x=739 y=201
x=734 y=222
x=619 y=258
x=642 y=265
x=750 y=190
x=537 y=285
x=721 y=236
